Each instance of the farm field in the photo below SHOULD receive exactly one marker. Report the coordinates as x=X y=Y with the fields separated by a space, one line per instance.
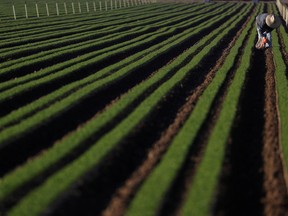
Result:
x=151 y=109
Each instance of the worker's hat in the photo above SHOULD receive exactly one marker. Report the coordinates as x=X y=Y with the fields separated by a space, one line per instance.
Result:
x=273 y=21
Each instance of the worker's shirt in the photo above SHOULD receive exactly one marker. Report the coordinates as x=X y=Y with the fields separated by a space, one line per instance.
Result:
x=261 y=24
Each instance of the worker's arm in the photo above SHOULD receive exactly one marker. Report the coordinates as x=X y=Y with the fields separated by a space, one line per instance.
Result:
x=261 y=23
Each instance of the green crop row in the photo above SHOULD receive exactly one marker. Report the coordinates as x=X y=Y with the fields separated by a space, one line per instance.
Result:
x=44 y=50
x=48 y=38
x=55 y=56
x=101 y=33
x=150 y=195
x=58 y=52
x=108 y=18
x=90 y=23
x=74 y=32
x=45 y=45
x=150 y=54
x=13 y=66
x=284 y=37
x=69 y=67
x=105 y=144
x=184 y=36
x=18 y=90
x=282 y=89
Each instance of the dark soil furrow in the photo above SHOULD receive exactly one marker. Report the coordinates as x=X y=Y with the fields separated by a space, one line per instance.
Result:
x=276 y=199
x=240 y=190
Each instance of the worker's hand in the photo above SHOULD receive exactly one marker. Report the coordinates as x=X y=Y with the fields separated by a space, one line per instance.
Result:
x=260 y=45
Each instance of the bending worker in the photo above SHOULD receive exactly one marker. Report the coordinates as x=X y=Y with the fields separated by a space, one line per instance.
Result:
x=265 y=23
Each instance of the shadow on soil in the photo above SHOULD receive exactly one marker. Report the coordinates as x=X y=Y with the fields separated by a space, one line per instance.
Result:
x=241 y=189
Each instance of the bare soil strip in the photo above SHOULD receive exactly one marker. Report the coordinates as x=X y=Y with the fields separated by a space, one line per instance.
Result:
x=124 y=194
x=276 y=199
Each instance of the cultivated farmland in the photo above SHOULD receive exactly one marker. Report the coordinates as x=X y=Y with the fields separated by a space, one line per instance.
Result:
x=148 y=109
